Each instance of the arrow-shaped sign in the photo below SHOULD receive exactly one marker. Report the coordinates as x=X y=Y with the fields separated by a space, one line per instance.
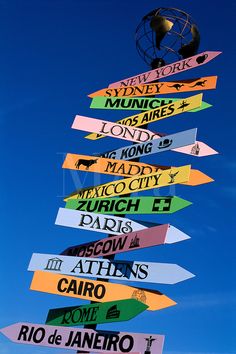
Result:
x=157 y=88
x=114 y=130
x=154 y=115
x=147 y=237
x=112 y=311
x=93 y=290
x=96 y=222
x=167 y=70
x=165 y=143
x=163 y=178
x=84 y=339
x=124 y=168
x=130 y=205
x=140 y=271
x=134 y=122
x=150 y=103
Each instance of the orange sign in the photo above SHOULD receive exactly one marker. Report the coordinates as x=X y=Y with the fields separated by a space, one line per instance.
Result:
x=160 y=88
x=125 y=168
x=96 y=290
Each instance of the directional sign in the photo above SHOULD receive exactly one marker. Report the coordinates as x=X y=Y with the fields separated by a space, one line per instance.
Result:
x=134 y=184
x=112 y=311
x=113 y=130
x=96 y=222
x=84 y=339
x=137 y=120
x=107 y=166
x=150 y=103
x=169 y=142
x=157 y=88
x=93 y=290
x=166 y=143
x=148 y=272
x=148 y=237
x=124 y=168
x=134 y=122
x=130 y=205
x=167 y=70
x=199 y=149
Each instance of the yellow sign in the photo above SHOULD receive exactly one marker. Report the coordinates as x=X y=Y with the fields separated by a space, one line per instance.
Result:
x=134 y=184
x=157 y=114
x=82 y=288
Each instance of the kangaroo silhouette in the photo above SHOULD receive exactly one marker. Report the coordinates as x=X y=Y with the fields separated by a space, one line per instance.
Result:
x=177 y=86
x=200 y=83
x=86 y=163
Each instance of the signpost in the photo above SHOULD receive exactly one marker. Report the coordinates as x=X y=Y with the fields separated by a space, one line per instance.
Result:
x=148 y=237
x=163 y=178
x=112 y=311
x=139 y=271
x=156 y=88
x=93 y=290
x=84 y=339
x=130 y=205
x=167 y=70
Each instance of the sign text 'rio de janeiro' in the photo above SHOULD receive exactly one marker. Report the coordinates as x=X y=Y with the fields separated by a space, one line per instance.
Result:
x=84 y=339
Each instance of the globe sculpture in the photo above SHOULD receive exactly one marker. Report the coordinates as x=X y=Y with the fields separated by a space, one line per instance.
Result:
x=166 y=35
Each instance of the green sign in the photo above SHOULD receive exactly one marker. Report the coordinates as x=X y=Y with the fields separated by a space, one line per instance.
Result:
x=132 y=205
x=137 y=103
x=112 y=311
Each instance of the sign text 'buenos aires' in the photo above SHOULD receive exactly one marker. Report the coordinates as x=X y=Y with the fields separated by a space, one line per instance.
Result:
x=85 y=339
x=140 y=271
x=148 y=237
x=163 y=178
x=130 y=205
x=168 y=70
x=157 y=88
x=134 y=121
x=93 y=290
x=137 y=120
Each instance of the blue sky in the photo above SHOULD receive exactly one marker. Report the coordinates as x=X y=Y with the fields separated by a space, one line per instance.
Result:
x=54 y=53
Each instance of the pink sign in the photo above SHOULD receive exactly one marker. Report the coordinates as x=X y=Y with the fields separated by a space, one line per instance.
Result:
x=114 y=130
x=167 y=70
x=153 y=236
x=83 y=339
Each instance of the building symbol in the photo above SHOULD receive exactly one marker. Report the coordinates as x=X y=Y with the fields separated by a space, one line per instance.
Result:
x=134 y=242
x=195 y=149
x=113 y=312
x=54 y=264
